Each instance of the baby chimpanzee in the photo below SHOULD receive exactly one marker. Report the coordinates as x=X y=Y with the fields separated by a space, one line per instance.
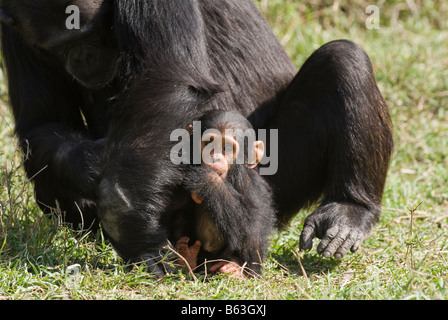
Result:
x=233 y=212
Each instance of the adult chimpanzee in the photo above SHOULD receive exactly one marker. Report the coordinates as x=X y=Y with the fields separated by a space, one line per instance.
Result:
x=334 y=128
x=61 y=87
x=234 y=214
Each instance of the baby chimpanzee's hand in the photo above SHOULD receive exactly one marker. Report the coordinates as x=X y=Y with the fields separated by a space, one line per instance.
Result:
x=189 y=253
x=232 y=269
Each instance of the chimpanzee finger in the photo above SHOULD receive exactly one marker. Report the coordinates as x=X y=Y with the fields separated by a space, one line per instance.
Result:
x=338 y=240
x=357 y=244
x=182 y=243
x=217 y=266
x=326 y=240
x=196 y=246
x=233 y=271
x=306 y=238
x=347 y=245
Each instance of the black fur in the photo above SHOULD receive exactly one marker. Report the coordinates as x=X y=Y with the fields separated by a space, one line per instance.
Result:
x=335 y=131
x=341 y=147
x=62 y=153
x=239 y=206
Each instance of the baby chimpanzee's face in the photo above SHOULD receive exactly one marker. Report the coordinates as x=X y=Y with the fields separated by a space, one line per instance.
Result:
x=219 y=152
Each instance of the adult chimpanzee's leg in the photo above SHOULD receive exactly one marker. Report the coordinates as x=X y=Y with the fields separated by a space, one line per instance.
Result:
x=335 y=139
x=62 y=145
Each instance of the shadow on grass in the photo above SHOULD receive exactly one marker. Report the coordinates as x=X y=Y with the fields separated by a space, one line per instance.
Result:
x=311 y=262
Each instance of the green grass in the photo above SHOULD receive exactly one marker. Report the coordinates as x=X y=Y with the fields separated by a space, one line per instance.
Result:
x=406 y=256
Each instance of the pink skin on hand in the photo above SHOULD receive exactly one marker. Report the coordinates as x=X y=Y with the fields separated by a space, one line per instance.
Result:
x=233 y=270
x=190 y=254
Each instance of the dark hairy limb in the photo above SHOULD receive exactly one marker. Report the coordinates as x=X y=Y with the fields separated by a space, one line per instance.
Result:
x=342 y=146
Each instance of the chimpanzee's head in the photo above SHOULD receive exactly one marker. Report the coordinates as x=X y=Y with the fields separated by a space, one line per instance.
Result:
x=228 y=139
x=78 y=32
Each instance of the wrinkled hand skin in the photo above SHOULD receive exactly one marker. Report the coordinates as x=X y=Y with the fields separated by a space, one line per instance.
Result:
x=341 y=226
x=190 y=253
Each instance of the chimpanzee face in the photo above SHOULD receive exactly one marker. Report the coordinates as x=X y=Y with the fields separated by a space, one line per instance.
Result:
x=78 y=32
x=220 y=145
x=219 y=152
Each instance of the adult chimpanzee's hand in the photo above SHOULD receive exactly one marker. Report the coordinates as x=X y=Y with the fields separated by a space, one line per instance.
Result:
x=341 y=226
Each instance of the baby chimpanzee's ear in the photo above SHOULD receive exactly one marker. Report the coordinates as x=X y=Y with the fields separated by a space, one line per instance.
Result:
x=190 y=129
x=258 y=153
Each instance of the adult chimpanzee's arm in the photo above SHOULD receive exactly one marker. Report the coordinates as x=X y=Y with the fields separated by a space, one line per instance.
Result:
x=58 y=152
x=336 y=140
